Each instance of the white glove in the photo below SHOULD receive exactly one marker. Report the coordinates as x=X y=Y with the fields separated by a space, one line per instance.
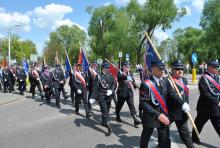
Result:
x=129 y=78
x=185 y=107
x=109 y=92
x=38 y=79
x=91 y=101
x=20 y=80
x=79 y=91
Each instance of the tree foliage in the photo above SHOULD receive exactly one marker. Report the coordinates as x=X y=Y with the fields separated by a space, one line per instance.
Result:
x=210 y=22
x=20 y=49
x=122 y=29
x=69 y=38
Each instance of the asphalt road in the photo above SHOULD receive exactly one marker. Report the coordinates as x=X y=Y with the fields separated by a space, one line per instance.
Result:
x=28 y=123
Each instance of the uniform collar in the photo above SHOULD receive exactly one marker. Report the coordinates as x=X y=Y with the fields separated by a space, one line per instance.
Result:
x=157 y=79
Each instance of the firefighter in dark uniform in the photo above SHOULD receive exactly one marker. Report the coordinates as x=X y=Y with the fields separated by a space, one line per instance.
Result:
x=46 y=80
x=71 y=84
x=12 y=73
x=34 y=79
x=91 y=78
x=208 y=106
x=81 y=90
x=21 y=79
x=155 y=116
x=1 y=80
x=58 y=83
x=179 y=106
x=6 y=79
x=125 y=92
x=104 y=87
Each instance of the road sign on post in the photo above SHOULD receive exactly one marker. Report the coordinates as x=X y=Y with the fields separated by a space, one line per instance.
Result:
x=33 y=57
x=194 y=61
x=127 y=57
x=120 y=56
x=194 y=58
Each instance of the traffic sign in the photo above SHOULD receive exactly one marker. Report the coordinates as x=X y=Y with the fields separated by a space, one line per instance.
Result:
x=127 y=57
x=194 y=58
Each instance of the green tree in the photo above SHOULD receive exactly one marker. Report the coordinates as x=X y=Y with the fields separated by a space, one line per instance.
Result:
x=189 y=41
x=69 y=38
x=153 y=14
x=101 y=28
x=210 y=22
x=20 y=49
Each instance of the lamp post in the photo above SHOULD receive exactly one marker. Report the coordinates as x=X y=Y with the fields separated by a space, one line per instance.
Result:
x=9 y=43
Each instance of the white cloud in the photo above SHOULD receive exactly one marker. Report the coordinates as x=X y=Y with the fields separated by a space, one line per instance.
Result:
x=46 y=16
x=195 y=4
x=124 y=2
x=14 y=21
x=198 y=4
x=107 y=3
x=188 y=10
x=67 y=22
x=179 y=2
x=2 y=35
x=160 y=35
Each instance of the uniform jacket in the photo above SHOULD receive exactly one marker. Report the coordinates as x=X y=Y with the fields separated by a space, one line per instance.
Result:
x=6 y=75
x=208 y=100
x=102 y=83
x=34 y=76
x=58 y=76
x=77 y=84
x=175 y=103
x=151 y=108
x=46 y=78
x=125 y=88
x=21 y=76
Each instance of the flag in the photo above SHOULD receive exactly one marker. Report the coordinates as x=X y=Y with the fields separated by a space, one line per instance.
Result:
x=113 y=70
x=82 y=59
x=68 y=67
x=4 y=62
x=43 y=65
x=150 y=55
x=25 y=66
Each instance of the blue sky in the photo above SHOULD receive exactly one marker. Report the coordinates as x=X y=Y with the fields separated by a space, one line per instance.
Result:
x=37 y=18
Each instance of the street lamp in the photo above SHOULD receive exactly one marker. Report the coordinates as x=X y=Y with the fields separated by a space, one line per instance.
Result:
x=9 y=43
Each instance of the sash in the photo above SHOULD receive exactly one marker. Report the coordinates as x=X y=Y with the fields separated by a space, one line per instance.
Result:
x=157 y=95
x=80 y=77
x=182 y=85
x=212 y=81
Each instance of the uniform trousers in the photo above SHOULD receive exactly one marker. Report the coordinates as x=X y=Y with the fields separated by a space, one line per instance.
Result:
x=163 y=137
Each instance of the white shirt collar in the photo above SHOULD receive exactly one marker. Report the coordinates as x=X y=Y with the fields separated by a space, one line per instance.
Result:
x=157 y=79
x=211 y=74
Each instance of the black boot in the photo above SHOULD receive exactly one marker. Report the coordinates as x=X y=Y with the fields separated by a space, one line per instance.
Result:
x=118 y=118
x=108 y=126
x=88 y=115
x=136 y=121
x=58 y=105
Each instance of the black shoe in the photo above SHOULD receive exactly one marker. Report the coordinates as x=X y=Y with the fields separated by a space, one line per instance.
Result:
x=48 y=100
x=109 y=129
x=197 y=141
x=65 y=97
x=118 y=119
x=33 y=97
x=136 y=121
x=88 y=115
x=77 y=112
x=58 y=106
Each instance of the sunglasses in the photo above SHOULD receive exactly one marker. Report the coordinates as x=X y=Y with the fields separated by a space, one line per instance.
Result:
x=178 y=69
